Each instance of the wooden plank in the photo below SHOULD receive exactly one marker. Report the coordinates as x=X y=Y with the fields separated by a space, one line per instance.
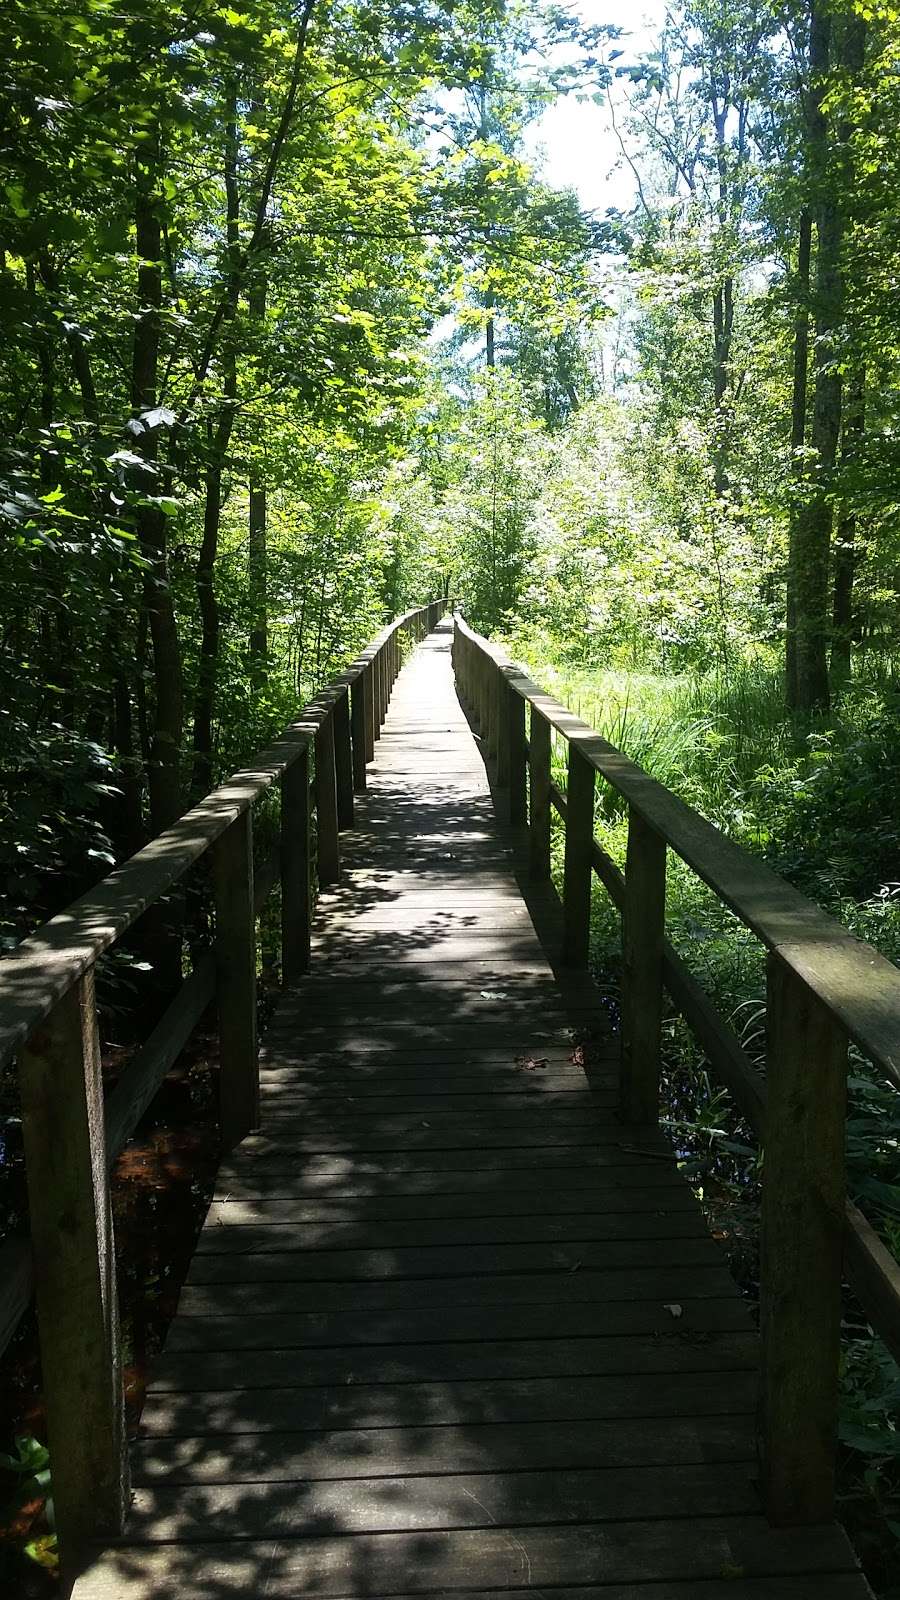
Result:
x=236 y=981
x=343 y=760
x=801 y=1251
x=256 y=1239
x=483 y=1500
x=328 y=859
x=577 y=865
x=539 y=796
x=299 y=1457
x=509 y=1401
x=358 y=715
x=296 y=870
x=74 y=1269
x=662 y=1284
x=643 y=933
x=459 y=1361
x=217 y=1571
x=515 y=743
x=448 y=1261
x=263 y=1330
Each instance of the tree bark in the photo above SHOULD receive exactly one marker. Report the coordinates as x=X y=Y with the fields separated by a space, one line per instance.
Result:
x=257 y=562
x=218 y=440
x=845 y=553
x=811 y=533
x=798 y=442
x=164 y=779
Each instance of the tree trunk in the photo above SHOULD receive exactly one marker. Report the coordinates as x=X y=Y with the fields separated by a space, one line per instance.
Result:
x=798 y=442
x=165 y=746
x=845 y=554
x=257 y=528
x=811 y=533
x=218 y=439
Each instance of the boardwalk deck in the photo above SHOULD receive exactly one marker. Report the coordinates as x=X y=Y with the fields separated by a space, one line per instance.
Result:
x=450 y=1328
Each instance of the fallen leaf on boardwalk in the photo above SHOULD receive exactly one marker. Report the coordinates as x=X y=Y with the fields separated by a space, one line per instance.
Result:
x=674 y=1310
x=575 y=1266
x=577 y=1056
x=532 y=1063
x=493 y=994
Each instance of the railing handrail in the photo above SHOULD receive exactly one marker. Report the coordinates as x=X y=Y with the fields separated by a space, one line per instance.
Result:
x=824 y=988
x=44 y=965
x=864 y=997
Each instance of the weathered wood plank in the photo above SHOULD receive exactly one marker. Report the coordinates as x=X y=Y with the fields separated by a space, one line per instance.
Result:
x=510 y=1401
x=74 y=1268
x=268 y=1330
x=236 y=980
x=273 y=1458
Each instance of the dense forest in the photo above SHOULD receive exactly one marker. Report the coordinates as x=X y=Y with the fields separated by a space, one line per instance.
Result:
x=298 y=334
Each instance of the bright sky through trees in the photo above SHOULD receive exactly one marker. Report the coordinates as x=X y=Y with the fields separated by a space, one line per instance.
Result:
x=575 y=135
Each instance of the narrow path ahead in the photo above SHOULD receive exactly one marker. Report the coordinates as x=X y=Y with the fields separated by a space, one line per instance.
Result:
x=450 y=1328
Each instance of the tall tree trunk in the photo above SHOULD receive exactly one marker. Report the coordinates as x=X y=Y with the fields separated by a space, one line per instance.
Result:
x=218 y=440
x=798 y=443
x=257 y=553
x=489 y=357
x=845 y=554
x=158 y=934
x=811 y=534
x=165 y=747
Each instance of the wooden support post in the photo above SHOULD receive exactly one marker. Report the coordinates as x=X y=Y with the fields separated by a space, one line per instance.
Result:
x=236 y=980
x=343 y=760
x=378 y=681
x=539 y=771
x=802 y=1234
x=74 y=1270
x=501 y=724
x=515 y=740
x=328 y=855
x=358 y=730
x=369 y=695
x=643 y=933
x=577 y=871
x=489 y=729
x=296 y=864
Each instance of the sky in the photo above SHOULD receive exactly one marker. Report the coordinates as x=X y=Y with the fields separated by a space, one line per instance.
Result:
x=575 y=137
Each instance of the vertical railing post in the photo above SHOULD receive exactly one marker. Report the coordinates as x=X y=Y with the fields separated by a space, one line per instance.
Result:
x=296 y=864
x=369 y=697
x=74 y=1270
x=577 y=870
x=378 y=671
x=515 y=743
x=803 y=1204
x=358 y=730
x=539 y=773
x=490 y=704
x=501 y=724
x=232 y=878
x=343 y=759
x=328 y=854
x=643 y=933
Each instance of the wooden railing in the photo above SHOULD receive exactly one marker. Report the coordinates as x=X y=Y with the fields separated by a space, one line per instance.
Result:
x=48 y=1019
x=825 y=988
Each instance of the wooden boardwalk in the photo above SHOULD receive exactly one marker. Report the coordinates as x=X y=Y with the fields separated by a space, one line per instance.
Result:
x=450 y=1328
